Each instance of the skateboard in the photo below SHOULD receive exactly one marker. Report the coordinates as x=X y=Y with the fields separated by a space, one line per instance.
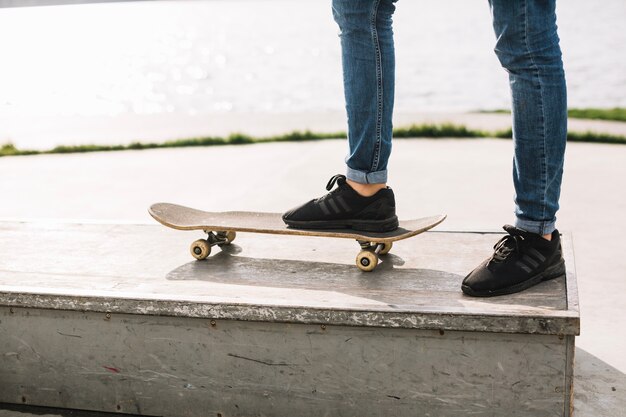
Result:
x=222 y=227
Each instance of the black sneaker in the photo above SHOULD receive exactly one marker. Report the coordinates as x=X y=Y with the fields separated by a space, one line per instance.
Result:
x=521 y=259
x=345 y=208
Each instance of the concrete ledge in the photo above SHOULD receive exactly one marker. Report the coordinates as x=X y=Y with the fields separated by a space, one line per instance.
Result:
x=140 y=269
x=120 y=318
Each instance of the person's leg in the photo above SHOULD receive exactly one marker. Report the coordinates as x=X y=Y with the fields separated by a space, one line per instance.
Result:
x=361 y=200
x=368 y=61
x=528 y=48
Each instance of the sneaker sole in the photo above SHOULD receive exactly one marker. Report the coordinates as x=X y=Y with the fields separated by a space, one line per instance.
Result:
x=377 y=226
x=555 y=271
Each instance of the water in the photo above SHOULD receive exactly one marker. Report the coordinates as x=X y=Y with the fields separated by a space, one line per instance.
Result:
x=242 y=56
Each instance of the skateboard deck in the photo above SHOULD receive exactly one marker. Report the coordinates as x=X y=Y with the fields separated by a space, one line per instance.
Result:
x=221 y=229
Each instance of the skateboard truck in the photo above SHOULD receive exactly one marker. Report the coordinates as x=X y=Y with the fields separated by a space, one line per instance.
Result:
x=201 y=248
x=367 y=259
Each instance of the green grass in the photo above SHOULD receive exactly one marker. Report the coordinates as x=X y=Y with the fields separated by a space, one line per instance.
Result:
x=594 y=137
x=445 y=130
x=591 y=137
x=9 y=149
x=617 y=114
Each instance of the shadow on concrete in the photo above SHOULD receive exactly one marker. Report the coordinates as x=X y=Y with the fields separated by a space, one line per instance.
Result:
x=599 y=388
x=388 y=283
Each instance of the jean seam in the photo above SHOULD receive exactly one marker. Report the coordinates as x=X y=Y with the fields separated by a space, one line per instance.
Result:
x=544 y=174
x=379 y=86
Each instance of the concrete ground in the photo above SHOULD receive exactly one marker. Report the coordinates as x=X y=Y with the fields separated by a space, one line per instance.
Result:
x=11 y=410
x=470 y=180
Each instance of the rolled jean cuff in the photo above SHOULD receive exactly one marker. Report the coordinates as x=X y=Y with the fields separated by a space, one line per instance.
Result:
x=378 y=177
x=540 y=227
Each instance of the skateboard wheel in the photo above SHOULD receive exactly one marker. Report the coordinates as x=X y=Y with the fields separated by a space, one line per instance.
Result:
x=230 y=236
x=200 y=249
x=366 y=260
x=386 y=248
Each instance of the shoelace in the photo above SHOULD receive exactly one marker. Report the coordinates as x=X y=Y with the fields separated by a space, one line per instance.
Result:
x=330 y=185
x=508 y=245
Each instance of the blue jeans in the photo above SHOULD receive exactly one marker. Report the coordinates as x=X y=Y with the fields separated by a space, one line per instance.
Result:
x=528 y=48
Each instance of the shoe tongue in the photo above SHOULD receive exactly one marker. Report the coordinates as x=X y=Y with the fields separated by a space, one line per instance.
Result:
x=514 y=231
x=536 y=239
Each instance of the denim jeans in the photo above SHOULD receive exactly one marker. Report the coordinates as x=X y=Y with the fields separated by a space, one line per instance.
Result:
x=528 y=48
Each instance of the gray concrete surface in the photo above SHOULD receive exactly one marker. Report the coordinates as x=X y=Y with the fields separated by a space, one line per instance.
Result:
x=148 y=270
x=19 y=410
x=394 y=336
x=470 y=180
